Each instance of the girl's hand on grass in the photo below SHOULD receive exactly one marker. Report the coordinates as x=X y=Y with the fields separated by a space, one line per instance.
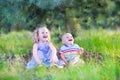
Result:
x=40 y=65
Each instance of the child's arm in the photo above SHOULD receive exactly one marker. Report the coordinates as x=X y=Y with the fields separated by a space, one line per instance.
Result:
x=63 y=58
x=81 y=50
x=54 y=58
x=35 y=54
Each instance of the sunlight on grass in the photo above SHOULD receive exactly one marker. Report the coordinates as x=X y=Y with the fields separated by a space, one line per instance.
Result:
x=103 y=41
x=16 y=42
x=94 y=41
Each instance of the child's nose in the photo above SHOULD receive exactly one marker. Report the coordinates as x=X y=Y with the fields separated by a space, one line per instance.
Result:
x=45 y=34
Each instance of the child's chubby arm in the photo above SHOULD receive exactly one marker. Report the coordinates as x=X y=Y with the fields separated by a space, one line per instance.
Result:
x=81 y=51
x=54 y=53
x=35 y=54
x=63 y=58
x=52 y=48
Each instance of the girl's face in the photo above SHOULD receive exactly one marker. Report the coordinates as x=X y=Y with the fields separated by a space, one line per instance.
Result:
x=44 y=34
x=68 y=39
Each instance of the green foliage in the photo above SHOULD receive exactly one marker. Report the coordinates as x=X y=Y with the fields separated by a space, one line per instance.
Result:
x=46 y=4
x=29 y=14
x=16 y=42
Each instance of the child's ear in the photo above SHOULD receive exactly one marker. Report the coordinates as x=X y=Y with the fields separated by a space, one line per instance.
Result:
x=63 y=41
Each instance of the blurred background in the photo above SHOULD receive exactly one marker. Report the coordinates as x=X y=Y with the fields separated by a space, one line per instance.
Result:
x=59 y=14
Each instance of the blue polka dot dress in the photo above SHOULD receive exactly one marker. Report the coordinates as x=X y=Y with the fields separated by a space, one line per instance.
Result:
x=44 y=54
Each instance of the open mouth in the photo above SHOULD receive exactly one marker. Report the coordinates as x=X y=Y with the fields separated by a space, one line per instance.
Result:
x=70 y=40
x=45 y=36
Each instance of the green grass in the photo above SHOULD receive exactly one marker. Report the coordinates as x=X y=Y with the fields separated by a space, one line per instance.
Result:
x=16 y=42
x=101 y=41
x=88 y=71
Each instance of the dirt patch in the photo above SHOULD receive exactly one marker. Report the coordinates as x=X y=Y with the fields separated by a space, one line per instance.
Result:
x=86 y=56
x=92 y=56
x=28 y=56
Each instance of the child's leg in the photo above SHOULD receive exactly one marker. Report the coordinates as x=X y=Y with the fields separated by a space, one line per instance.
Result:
x=31 y=64
x=54 y=57
x=77 y=61
x=81 y=61
x=57 y=62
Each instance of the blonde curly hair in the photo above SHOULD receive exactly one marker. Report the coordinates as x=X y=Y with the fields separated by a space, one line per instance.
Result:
x=36 y=34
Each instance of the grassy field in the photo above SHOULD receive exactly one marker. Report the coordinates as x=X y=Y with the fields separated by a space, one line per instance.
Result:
x=104 y=43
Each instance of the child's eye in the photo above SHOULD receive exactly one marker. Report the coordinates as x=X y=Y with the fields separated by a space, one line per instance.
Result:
x=42 y=32
x=46 y=32
x=67 y=37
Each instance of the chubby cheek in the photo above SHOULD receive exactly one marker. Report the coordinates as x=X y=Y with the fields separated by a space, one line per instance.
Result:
x=63 y=41
x=66 y=41
x=40 y=36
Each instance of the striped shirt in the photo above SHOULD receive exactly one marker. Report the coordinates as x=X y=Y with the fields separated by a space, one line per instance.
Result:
x=70 y=51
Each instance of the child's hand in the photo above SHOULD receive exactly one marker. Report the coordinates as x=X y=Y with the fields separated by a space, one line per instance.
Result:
x=40 y=65
x=81 y=50
x=53 y=61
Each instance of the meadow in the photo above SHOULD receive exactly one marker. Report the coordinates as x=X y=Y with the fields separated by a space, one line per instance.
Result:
x=96 y=43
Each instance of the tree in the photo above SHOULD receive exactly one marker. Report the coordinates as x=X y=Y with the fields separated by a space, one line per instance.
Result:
x=28 y=14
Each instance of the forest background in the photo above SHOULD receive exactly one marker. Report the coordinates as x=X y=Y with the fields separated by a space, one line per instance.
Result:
x=66 y=14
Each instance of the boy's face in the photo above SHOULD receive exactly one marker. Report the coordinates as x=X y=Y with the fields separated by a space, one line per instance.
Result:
x=43 y=34
x=68 y=39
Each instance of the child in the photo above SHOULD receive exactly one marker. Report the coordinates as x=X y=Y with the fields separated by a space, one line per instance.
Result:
x=70 y=52
x=44 y=53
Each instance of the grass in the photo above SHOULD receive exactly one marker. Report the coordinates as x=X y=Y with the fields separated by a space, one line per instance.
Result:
x=102 y=41
x=88 y=71
x=15 y=42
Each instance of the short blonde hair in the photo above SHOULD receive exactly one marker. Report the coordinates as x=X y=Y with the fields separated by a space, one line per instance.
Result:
x=36 y=34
